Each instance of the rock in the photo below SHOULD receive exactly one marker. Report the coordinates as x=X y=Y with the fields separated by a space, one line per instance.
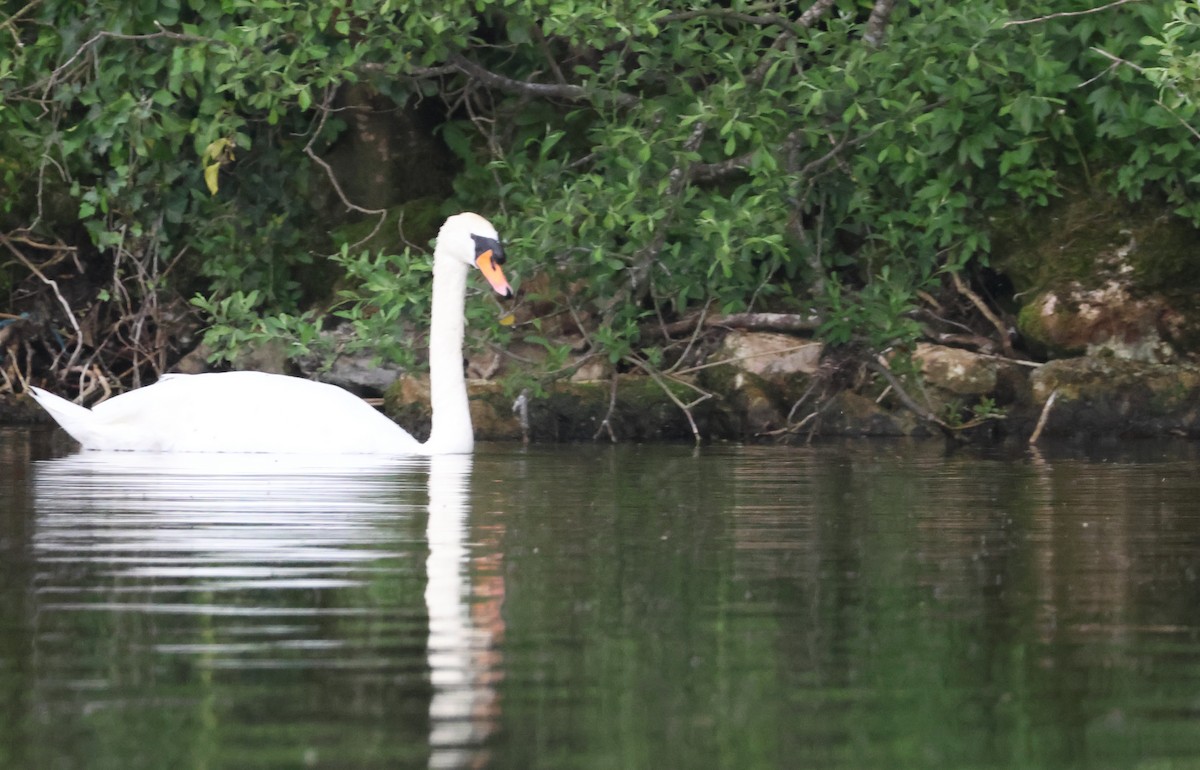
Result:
x=361 y=374
x=854 y=415
x=1102 y=320
x=771 y=356
x=1098 y=396
x=195 y=362
x=567 y=411
x=746 y=405
x=957 y=379
x=592 y=370
x=271 y=356
x=958 y=371
x=21 y=410
x=1099 y=275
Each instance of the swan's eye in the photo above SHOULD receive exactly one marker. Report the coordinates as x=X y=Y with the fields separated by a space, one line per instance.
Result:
x=484 y=244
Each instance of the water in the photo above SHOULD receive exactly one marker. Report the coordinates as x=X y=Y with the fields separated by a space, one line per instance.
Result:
x=864 y=605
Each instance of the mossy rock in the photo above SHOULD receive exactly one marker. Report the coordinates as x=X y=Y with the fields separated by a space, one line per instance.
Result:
x=852 y=414
x=1094 y=249
x=746 y=406
x=567 y=411
x=1089 y=237
x=1118 y=397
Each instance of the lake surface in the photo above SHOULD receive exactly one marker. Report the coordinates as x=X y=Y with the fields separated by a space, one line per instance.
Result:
x=850 y=605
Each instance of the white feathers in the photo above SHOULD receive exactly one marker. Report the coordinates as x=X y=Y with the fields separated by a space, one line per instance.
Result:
x=259 y=412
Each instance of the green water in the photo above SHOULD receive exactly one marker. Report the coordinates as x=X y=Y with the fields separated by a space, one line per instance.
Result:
x=864 y=605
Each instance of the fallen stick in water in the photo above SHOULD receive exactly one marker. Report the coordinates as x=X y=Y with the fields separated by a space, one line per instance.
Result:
x=1041 y=423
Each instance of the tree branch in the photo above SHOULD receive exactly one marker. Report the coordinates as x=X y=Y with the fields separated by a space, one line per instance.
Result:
x=728 y=13
x=66 y=306
x=877 y=22
x=685 y=408
x=774 y=322
x=544 y=90
x=981 y=306
x=922 y=414
x=814 y=12
x=1064 y=14
x=12 y=20
x=337 y=187
x=53 y=78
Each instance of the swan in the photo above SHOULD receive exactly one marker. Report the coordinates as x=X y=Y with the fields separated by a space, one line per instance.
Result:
x=259 y=412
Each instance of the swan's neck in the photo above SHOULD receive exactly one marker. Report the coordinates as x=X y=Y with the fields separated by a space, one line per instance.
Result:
x=451 y=433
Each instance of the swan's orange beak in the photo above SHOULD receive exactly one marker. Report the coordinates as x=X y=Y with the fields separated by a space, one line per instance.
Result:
x=487 y=264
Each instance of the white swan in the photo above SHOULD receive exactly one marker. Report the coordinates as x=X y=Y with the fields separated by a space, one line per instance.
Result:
x=259 y=412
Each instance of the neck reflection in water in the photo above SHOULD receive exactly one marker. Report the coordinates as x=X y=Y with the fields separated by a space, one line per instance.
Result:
x=301 y=574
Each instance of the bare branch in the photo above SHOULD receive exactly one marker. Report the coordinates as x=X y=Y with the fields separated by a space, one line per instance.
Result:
x=1064 y=14
x=66 y=306
x=922 y=414
x=337 y=188
x=707 y=172
x=544 y=90
x=982 y=307
x=12 y=20
x=53 y=78
x=685 y=408
x=728 y=13
x=775 y=322
x=606 y=423
x=1041 y=423
x=1117 y=61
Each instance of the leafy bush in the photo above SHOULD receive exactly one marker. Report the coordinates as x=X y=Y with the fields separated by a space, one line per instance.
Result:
x=653 y=159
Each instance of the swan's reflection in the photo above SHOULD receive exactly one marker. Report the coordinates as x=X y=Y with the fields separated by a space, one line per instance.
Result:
x=232 y=518
x=116 y=530
x=462 y=712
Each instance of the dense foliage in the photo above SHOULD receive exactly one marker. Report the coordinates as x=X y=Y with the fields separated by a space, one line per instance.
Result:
x=650 y=159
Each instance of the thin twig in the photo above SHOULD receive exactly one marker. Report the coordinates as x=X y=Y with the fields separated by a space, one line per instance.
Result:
x=1041 y=423
x=775 y=322
x=982 y=307
x=163 y=32
x=543 y=90
x=692 y=340
x=606 y=423
x=685 y=408
x=12 y=20
x=1064 y=14
x=923 y=414
x=58 y=294
x=324 y=111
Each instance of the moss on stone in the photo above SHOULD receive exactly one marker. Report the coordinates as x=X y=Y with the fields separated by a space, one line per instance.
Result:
x=1088 y=235
x=1060 y=242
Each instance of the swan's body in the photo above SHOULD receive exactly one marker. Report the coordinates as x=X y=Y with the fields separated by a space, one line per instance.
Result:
x=259 y=412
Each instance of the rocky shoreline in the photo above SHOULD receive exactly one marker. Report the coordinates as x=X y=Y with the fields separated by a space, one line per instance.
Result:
x=766 y=387
x=1116 y=339
x=770 y=397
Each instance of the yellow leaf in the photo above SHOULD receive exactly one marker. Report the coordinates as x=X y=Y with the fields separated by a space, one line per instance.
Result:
x=216 y=149
x=210 y=176
x=508 y=319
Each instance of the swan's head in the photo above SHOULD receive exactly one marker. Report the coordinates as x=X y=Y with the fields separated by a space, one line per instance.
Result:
x=471 y=239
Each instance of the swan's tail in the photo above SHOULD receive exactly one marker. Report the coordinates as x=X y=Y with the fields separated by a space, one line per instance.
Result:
x=73 y=418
